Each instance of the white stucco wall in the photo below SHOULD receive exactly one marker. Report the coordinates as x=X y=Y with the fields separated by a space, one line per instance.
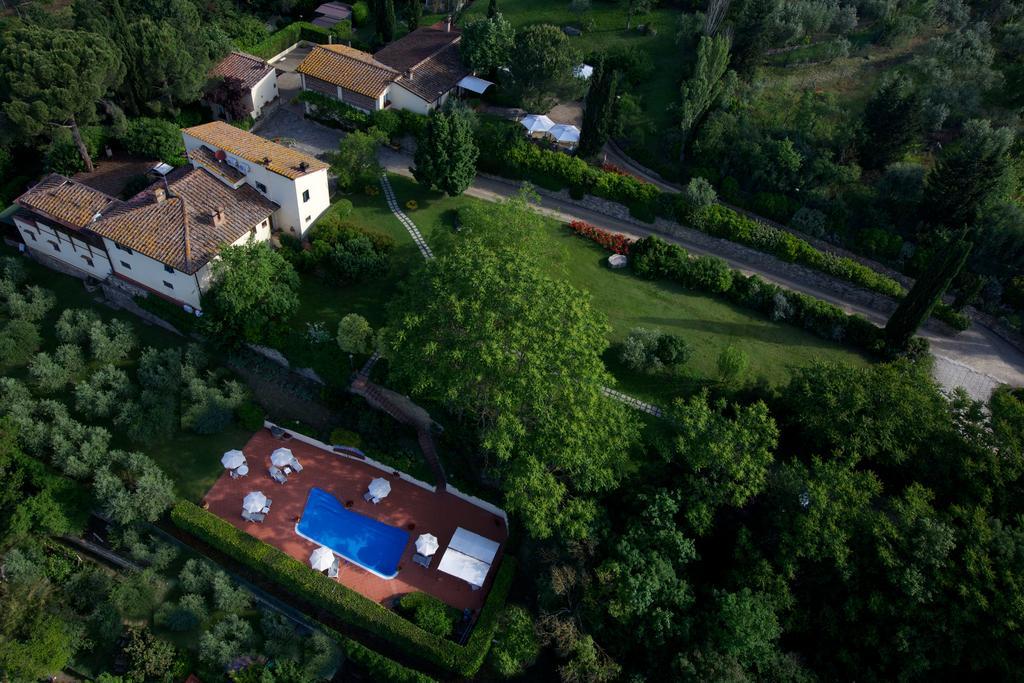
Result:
x=41 y=237
x=401 y=98
x=263 y=92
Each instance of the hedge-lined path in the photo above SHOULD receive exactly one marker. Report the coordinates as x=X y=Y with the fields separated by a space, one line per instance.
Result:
x=977 y=359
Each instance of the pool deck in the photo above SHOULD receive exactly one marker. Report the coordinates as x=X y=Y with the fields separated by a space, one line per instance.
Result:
x=346 y=479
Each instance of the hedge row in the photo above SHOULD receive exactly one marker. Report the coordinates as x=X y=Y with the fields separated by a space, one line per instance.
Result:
x=654 y=258
x=280 y=40
x=392 y=122
x=377 y=665
x=505 y=152
x=345 y=604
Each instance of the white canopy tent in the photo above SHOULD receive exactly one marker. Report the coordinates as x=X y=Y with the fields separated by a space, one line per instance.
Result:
x=469 y=557
x=232 y=459
x=583 y=71
x=565 y=134
x=321 y=559
x=254 y=502
x=537 y=123
x=281 y=457
x=379 y=487
x=426 y=544
x=474 y=84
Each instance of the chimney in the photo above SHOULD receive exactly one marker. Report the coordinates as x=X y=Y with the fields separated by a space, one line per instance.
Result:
x=218 y=216
x=160 y=194
x=448 y=24
x=266 y=161
x=303 y=166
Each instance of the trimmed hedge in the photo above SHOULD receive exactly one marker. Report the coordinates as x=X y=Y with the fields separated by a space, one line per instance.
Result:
x=654 y=258
x=377 y=665
x=278 y=41
x=505 y=152
x=345 y=604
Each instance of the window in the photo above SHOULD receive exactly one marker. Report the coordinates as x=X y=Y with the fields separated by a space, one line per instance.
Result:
x=88 y=260
x=123 y=248
x=56 y=247
x=126 y=265
x=168 y=269
x=308 y=218
x=305 y=196
x=32 y=235
x=261 y=187
x=168 y=285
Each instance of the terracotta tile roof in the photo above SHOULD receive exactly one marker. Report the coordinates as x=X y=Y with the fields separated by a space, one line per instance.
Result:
x=180 y=231
x=282 y=160
x=352 y=69
x=208 y=158
x=421 y=44
x=245 y=67
x=66 y=201
x=435 y=75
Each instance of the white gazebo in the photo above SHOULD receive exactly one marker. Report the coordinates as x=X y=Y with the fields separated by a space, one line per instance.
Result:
x=469 y=557
x=254 y=502
x=282 y=457
x=379 y=488
x=233 y=459
x=322 y=559
x=564 y=134
x=426 y=544
x=537 y=123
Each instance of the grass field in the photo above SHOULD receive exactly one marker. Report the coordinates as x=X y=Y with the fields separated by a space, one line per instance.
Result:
x=706 y=324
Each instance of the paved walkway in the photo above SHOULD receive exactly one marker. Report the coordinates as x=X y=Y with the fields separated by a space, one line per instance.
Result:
x=414 y=232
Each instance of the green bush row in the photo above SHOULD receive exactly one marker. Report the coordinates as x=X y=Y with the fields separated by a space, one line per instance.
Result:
x=332 y=112
x=505 y=152
x=379 y=667
x=654 y=258
x=278 y=41
x=345 y=604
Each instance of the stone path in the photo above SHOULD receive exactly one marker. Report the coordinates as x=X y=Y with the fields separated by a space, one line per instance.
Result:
x=414 y=232
x=632 y=402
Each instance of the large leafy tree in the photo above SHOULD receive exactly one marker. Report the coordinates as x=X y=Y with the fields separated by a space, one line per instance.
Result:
x=544 y=58
x=54 y=78
x=711 y=80
x=254 y=294
x=446 y=152
x=724 y=452
x=967 y=175
x=487 y=44
x=893 y=121
x=356 y=159
x=517 y=355
x=599 y=109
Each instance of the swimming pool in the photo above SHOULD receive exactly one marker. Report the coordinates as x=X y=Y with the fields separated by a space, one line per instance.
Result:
x=375 y=546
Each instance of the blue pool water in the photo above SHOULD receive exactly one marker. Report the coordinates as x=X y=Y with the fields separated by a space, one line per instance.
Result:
x=373 y=545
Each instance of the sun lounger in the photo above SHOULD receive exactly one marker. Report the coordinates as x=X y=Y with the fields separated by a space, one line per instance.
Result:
x=421 y=560
x=368 y=497
x=247 y=516
x=234 y=474
x=332 y=572
x=258 y=517
x=266 y=508
x=277 y=475
x=296 y=466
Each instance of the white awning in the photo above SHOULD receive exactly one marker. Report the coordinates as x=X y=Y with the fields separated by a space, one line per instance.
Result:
x=474 y=84
x=474 y=545
x=464 y=567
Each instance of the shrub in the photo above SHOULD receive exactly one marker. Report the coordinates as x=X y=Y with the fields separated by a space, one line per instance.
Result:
x=19 y=340
x=360 y=13
x=345 y=604
x=388 y=122
x=103 y=393
x=355 y=335
x=651 y=350
x=345 y=252
x=154 y=139
x=516 y=646
x=429 y=613
x=332 y=112
x=612 y=241
x=698 y=194
x=412 y=205
x=209 y=404
x=52 y=372
x=249 y=416
x=732 y=364
x=809 y=221
x=344 y=437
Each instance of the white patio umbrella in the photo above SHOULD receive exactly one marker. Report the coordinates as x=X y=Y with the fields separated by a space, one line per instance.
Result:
x=564 y=133
x=583 y=71
x=537 y=123
x=380 y=487
x=426 y=544
x=281 y=457
x=232 y=459
x=254 y=502
x=321 y=559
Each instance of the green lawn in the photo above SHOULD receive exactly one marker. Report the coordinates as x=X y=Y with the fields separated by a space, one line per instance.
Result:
x=708 y=325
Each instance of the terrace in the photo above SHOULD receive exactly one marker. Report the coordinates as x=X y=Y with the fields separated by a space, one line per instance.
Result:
x=411 y=506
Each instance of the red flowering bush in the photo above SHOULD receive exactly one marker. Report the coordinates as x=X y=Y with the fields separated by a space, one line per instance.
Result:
x=612 y=241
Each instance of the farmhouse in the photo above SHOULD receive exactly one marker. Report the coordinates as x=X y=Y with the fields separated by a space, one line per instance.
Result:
x=296 y=182
x=242 y=85
x=417 y=73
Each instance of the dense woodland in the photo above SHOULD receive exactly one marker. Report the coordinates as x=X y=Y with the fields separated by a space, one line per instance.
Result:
x=853 y=522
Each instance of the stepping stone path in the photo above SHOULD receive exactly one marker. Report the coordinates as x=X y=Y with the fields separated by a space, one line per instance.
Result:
x=417 y=237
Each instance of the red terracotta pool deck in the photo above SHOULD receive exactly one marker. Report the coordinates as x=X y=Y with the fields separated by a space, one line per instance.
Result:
x=346 y=479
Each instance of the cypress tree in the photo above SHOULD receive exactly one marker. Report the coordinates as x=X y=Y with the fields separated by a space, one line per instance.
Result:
x=892 y=122
x=599 y=109
x=919 y=302
x=492 y=8
x=413 y=14
x=386 y=20
x=446 y=152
